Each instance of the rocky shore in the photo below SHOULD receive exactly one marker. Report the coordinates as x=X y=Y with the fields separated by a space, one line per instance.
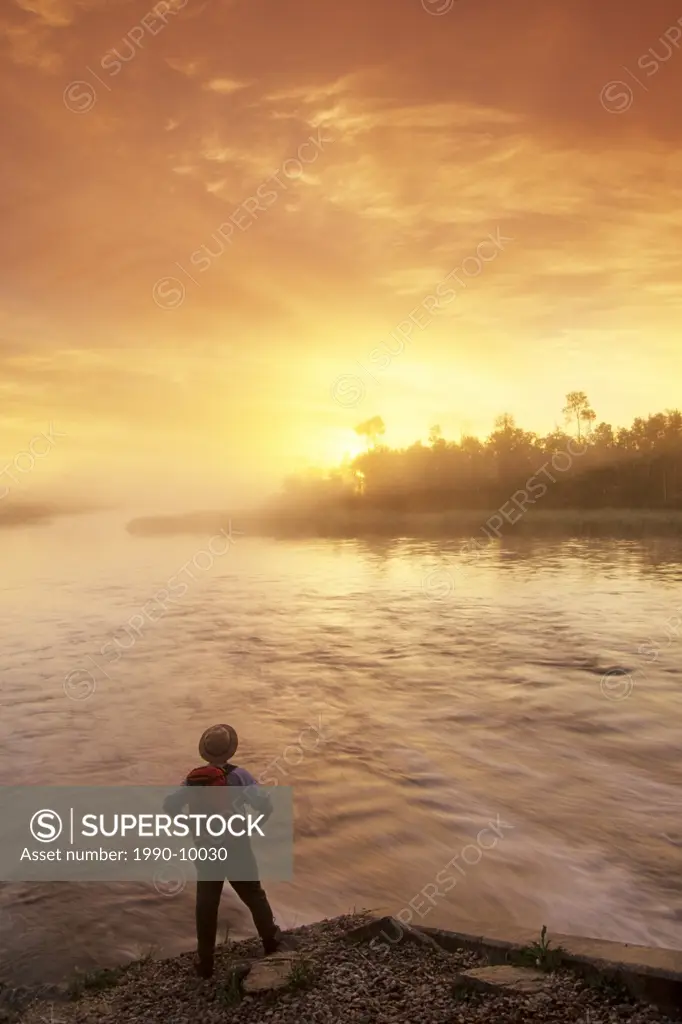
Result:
x=335 y=976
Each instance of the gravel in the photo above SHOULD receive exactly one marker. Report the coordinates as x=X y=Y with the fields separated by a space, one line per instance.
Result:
x=335 y=983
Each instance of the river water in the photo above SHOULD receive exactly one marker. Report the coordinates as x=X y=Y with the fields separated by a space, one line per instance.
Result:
x=412 y=696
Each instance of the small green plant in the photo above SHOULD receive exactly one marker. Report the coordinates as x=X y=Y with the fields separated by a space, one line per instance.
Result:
x=354 y=911
x=302 y=973
x=229 y=992
x=150 y=953
x=95 y=981
x=542 y=954
x=609 y=987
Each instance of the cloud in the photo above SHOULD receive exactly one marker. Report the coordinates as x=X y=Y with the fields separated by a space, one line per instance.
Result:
x=62 y=13
x=28 y=47
x=224 y=86
x=315 y=94
x=56 y=13
x=441 y=132
x=184 y=66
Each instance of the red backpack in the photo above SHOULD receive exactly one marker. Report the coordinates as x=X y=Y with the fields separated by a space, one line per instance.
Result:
x=209 y=775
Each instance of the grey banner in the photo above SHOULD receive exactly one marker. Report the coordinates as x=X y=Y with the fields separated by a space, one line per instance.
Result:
x=145 y=833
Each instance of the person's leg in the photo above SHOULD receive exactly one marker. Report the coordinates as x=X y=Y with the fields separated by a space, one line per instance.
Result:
x=208 y=902
x=253 y=895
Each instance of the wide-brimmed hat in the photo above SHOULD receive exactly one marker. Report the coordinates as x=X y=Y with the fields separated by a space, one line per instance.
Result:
x=218 y=744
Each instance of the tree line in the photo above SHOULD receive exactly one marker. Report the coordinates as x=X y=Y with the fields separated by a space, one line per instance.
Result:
x=639 y=466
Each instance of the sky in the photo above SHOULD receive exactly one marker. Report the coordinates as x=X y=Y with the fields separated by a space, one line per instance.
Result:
x=216 y=212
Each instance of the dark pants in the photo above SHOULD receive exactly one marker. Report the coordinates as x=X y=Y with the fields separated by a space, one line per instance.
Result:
x=208 y=901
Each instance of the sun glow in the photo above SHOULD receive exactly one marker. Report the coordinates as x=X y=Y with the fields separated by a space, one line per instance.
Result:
x=337 y=446
x=346 y=446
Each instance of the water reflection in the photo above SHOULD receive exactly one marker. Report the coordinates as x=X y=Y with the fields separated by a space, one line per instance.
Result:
x=442 y=706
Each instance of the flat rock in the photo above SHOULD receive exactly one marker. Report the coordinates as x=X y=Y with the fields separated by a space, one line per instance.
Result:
x=271 y=973
x=502 y=979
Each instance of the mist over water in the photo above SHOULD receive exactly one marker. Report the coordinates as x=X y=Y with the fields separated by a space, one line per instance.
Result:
x=448 y=694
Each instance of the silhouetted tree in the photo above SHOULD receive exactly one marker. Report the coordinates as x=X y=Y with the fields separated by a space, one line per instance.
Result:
x=435 y=435
x=371 y=429
x=639 y=466
x=578 y=408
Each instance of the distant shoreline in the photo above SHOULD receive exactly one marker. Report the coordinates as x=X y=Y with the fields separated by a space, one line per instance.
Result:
x=36 y=514
x=340 y=524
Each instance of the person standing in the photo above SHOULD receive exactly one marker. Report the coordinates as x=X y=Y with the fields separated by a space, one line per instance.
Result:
x=217 y=746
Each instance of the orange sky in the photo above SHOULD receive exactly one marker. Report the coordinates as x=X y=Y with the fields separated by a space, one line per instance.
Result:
x=438 y=124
